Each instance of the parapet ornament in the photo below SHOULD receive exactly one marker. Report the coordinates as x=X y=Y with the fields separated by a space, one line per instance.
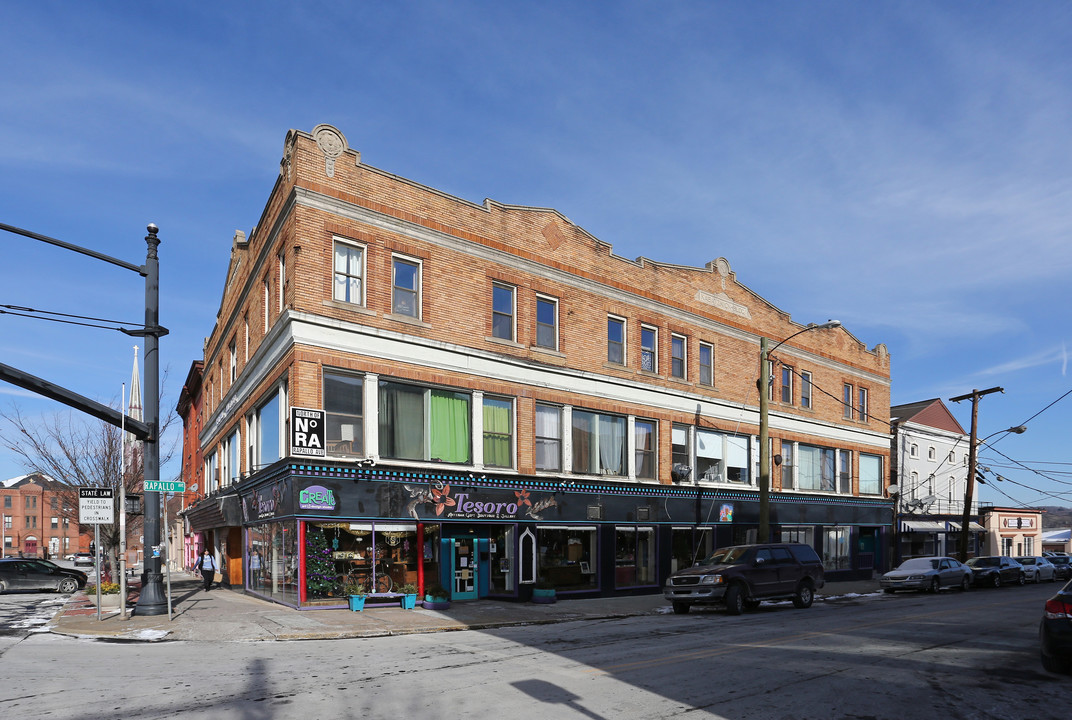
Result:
x=332 y=143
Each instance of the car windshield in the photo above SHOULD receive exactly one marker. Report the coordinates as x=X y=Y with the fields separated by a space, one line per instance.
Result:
x=919 y=564
x=1026 y=560
x=726 y=556
x=1059 y=560
x=984 y=562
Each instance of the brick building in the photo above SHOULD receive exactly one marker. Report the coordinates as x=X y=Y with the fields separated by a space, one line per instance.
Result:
x=404 y=386
x=38 y=519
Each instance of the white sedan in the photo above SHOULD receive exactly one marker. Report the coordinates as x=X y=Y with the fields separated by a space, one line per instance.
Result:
x=1037 y=569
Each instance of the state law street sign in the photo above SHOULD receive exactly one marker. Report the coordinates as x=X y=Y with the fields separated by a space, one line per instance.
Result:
x=95 y=506
x=307 y=432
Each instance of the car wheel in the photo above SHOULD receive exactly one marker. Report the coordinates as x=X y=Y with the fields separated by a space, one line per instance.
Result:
x=804 y=596
x=965 y=584
x=734 y=600
x=1055 y=664
x=935 y=585
x=2 y=587
x=681 y=608
x=67 y=585
x=1022 y=581
x=997 y=580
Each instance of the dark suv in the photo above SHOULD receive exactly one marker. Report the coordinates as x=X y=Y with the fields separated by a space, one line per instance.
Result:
x=740 y=577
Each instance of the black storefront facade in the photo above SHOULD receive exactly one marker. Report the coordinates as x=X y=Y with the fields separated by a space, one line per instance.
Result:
x=310 y=527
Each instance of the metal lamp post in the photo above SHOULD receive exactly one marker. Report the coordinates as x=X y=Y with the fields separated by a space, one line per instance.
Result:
x=764 y=427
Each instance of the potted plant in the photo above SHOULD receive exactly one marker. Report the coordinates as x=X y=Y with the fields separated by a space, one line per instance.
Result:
x=409 y=596
x=436 y=597
x=543 y=592
x=355 y=592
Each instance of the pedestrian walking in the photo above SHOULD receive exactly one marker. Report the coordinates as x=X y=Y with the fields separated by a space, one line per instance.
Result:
x=206 y=565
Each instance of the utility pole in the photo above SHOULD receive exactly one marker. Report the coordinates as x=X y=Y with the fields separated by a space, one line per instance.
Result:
x=974 y=396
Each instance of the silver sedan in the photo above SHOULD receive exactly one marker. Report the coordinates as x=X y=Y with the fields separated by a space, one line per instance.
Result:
x=1037 y=569
x=927 y=573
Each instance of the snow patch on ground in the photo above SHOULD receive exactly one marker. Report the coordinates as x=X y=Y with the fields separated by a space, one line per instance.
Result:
x=149 y=634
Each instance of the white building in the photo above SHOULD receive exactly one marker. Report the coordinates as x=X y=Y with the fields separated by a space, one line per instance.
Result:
x=929 y=460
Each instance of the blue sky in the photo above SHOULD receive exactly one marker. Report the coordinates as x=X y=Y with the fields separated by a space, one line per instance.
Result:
x=902 y=167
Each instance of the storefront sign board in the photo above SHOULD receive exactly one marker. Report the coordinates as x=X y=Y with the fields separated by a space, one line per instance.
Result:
x=307 y=432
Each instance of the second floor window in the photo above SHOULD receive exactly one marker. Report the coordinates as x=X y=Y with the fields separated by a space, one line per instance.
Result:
x=348 y=285
x=417 y=423
x=846 y=401
x=805 y=390
x=344 y=408
x=547 y=323
x=861 y=405
x=646 y=442
x=598 y=443
x=815 y=468
x=649 y=338
x=679 y=445
x=498 y=432
x=787 y=465
x=502 y=311
x=548 y=437
x=870 y=474
x=677 y=356
x=406 y=288
x=616 y=341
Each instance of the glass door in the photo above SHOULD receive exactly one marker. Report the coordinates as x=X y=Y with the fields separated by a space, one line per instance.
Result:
x=463 y=562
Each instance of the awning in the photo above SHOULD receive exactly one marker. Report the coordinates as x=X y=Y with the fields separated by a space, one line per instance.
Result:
x=972 y=527
x=928 y=526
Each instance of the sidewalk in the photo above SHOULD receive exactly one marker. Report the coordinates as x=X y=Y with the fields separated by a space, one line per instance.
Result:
x=228 y=616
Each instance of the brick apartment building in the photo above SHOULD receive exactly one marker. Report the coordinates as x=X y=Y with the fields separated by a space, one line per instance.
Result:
x=38 y=519
x=404 y=386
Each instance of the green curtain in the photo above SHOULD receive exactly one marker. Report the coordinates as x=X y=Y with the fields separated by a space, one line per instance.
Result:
x=449 y=426
x=497 y=433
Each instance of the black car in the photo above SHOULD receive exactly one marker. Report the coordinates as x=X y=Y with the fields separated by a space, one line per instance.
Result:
x=740 y=577
x=996 y=570
x=1055 y=632
x=1062 y=566
x=33 y=574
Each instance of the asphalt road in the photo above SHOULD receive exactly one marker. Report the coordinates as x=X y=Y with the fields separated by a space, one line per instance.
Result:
x=955 y=655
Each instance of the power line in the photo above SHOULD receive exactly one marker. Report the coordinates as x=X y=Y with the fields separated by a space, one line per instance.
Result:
x=63 y=318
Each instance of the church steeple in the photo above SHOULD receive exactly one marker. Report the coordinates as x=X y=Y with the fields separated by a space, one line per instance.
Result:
x=135 y=408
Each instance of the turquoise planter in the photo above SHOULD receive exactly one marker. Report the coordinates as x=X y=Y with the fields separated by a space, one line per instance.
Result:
x=409 y=601
x=543 y=596
x=357 y=602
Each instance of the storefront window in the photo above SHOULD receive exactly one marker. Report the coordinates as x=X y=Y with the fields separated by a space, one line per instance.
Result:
x=272 y=560
x=836 y=548
x=689 y=546
x=567 y=557
x=634 y=556
x=797 y=534
x=381 y=556
x=503 y=561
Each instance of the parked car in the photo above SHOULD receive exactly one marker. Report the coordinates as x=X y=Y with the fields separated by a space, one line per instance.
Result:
x=1062 y=566
x=1037 y=569
x=31 y=574
x=927 y=573
x=996 y=570
x=742 y=576
x=83 y=559
x=1055 y=632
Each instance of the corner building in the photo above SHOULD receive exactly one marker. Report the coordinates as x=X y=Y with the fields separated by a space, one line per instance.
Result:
x=404 y=387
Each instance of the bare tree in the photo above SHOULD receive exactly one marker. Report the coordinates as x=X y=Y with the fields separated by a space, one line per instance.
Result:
x=77 y=451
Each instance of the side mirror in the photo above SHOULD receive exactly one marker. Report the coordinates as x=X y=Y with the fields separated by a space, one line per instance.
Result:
x=760 y=561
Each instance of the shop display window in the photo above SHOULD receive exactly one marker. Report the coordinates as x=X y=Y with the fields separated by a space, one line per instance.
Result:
x=381 y=556
x=689 y=546
x=566 y=557
x=634 y=556
x=272 y=560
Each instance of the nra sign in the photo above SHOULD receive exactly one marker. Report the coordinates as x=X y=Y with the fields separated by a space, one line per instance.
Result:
x=307 y=432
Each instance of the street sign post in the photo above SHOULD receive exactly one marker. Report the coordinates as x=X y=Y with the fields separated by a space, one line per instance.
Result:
x=164 y=486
